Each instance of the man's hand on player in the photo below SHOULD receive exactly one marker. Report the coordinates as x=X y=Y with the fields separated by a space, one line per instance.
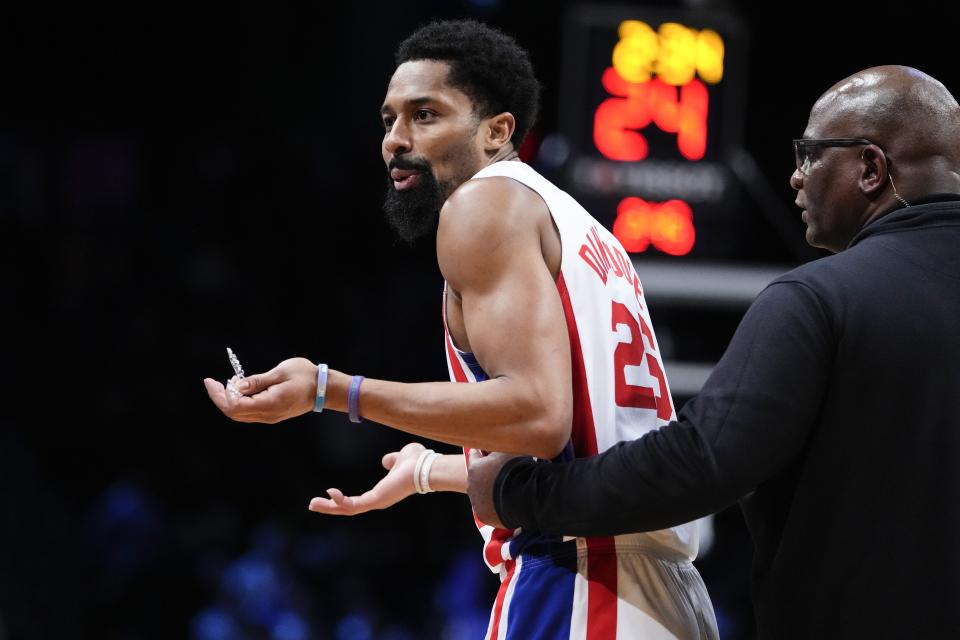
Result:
x=392 y=488
x=285 y=391
x=482 y=470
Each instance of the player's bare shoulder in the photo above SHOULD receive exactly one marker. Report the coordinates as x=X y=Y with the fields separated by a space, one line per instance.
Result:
x=489 y=221
x=495 y=204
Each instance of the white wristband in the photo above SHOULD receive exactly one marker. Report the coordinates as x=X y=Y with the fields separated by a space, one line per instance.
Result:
x=417 y=468
x=321 y=388
x=425 y=472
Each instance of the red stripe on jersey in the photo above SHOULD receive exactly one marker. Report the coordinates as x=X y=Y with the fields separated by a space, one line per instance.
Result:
x=601 y=561
x=498 y=604
x=601 y=590
x=584 y=436
x=458 y=373
x=493 y=550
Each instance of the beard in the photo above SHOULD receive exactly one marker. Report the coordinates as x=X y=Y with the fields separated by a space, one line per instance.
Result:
x=415 y=212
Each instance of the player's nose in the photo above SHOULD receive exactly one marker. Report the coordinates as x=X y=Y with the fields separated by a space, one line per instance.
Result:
x=398 y=140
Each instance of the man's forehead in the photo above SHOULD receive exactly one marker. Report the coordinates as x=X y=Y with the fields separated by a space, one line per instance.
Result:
x=417 y=79
x=827 y=119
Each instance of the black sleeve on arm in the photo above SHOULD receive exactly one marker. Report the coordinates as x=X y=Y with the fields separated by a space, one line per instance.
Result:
x=750 y=420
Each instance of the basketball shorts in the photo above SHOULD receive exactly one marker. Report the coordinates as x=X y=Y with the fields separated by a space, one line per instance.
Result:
x=590 y=590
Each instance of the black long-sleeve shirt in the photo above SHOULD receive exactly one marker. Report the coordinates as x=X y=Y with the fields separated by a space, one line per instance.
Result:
x=834 y=418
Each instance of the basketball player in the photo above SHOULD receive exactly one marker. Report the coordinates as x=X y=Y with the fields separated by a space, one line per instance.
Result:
x=546 y=318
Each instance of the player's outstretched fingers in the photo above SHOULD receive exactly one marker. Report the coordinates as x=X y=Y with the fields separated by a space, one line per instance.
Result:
x=390 y=459
x=228 y=402
x=326 y=505
x=337 y=496
x=260 y=381
x=337 y=504
x=216 y=392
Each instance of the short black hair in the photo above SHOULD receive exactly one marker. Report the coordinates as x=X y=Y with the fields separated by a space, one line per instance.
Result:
x=485 y=63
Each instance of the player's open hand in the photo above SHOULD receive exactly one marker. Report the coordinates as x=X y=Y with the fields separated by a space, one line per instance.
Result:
x=482 y=471
x=392 y=488
x=285 y=391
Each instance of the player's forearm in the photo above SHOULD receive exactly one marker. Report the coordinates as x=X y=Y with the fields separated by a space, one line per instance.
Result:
x=449 y=473
x=501 y=414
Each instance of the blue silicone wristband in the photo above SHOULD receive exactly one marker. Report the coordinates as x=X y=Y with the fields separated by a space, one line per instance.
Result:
x=321 y=388
x=353 y=399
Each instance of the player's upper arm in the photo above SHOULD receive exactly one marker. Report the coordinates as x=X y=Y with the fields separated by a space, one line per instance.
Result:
x=489 y=250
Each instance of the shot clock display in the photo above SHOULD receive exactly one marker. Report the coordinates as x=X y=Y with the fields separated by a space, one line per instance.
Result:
x=651 y=107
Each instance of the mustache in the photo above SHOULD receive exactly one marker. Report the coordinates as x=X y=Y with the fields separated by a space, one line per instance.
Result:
x=408 y=164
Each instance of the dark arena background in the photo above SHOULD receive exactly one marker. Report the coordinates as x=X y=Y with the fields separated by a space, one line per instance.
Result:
x=174 y=181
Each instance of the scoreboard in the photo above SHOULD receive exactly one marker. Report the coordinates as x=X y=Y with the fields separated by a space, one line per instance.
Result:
x=651 y=104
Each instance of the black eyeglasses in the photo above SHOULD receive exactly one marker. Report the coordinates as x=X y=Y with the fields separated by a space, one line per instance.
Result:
x=803 y=148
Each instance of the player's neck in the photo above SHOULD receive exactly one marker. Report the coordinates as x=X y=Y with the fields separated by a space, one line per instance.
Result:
x=504 y=154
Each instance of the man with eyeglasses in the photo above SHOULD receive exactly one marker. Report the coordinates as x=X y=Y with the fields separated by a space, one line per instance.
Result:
x=833 y=417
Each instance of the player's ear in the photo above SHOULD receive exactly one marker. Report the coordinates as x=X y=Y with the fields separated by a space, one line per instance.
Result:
x=498 y=130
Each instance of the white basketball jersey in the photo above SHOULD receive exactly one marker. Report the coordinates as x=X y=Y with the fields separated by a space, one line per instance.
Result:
x=620 y=389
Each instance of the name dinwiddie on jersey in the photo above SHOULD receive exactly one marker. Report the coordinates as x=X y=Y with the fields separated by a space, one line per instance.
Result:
x=604 y=259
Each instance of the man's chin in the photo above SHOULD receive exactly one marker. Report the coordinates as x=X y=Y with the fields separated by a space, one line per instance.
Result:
x=816 y=239
x=411 y=236
x=412 y=217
